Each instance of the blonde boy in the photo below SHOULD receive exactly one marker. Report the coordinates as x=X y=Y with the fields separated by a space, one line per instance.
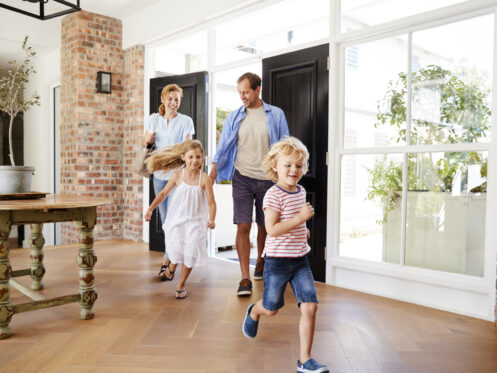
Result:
x=285 y=214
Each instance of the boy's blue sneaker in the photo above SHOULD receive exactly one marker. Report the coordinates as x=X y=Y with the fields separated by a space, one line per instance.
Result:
x=249 y=327
x=311 y=365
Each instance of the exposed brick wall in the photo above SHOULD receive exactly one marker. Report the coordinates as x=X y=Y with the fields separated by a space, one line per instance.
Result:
x=134 y=63
x=92 y=124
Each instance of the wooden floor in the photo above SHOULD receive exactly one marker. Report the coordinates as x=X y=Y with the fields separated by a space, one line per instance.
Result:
x=140 y=327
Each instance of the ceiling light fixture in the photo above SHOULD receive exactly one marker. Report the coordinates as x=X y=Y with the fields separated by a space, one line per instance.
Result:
x=72 y=7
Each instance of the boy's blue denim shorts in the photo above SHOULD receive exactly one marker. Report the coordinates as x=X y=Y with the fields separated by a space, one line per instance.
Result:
x=278 y=272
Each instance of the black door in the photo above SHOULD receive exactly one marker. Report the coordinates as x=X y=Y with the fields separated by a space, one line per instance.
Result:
x=193 y=104
x=297 y=82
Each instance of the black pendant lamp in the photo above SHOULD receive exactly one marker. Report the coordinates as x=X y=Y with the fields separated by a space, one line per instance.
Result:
x=39 y=12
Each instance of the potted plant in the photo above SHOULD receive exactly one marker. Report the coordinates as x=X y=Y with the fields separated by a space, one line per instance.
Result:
x=16 y=179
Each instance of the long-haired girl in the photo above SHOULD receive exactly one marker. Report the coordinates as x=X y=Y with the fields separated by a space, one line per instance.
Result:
x=191 y=210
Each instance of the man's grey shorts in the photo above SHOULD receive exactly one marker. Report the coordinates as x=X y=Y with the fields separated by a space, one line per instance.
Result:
x=245 y=191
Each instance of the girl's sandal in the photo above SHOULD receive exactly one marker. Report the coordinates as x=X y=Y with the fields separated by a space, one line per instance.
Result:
x=181 y=294
x=163 y=273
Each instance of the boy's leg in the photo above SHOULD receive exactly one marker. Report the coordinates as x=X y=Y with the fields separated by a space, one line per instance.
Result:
x=304 y=289
x=252 y=316
x=306 y=329
x=276 y=276
x=258 y=310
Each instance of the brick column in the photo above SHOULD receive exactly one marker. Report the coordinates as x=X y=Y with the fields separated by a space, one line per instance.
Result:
x=91 y=129
x=134 y=62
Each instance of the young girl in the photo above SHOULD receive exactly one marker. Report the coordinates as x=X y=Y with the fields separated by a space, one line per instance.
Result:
x=285 y=214
x=191 y=211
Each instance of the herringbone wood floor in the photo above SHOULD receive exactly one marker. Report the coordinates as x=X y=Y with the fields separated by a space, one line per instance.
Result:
x=140 y=327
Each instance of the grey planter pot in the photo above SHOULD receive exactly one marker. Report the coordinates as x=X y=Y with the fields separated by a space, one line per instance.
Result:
x=15 y=179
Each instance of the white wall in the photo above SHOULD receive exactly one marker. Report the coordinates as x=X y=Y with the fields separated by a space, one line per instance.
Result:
x=38 y=128
x=44 y=36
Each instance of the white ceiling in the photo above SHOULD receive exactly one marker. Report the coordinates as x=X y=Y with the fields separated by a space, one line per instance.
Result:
x=45 y=35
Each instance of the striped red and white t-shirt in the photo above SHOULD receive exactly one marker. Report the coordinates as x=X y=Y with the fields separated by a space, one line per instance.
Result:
x=288 y=204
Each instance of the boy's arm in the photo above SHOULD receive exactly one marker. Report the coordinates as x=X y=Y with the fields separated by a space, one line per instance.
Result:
x=211 y=202
x=275 y=227
x=161 y=196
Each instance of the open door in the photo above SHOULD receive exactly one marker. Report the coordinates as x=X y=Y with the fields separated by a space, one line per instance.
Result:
x=297 y=82
x=193 y=104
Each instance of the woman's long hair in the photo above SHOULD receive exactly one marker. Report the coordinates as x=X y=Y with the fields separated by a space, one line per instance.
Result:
x=170 y=158
x=165 y=92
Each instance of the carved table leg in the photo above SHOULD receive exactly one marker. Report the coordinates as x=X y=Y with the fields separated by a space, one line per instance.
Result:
x=36 y=243
x=6 y=309
x=86 y=261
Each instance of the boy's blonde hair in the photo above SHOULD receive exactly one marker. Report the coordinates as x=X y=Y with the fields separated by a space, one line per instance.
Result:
x=286 y=146
x=170 y=158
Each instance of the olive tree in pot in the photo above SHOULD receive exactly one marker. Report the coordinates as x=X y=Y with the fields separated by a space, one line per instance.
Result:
x=16 y=179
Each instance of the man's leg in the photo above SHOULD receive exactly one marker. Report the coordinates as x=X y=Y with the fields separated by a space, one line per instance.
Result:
x=262 y=188
x=243 y=205
x=243 y=247
x=261 y=241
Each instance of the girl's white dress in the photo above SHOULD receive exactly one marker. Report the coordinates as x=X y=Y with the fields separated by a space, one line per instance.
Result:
x=185 y=227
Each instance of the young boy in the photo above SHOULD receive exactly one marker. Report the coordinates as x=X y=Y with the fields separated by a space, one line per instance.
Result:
x=285 y=215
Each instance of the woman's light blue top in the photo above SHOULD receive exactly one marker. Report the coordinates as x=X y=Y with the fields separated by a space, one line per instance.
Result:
x=169 y=134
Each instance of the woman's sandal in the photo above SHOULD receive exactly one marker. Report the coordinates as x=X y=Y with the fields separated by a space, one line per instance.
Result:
x=163 y=274
x=179 y=294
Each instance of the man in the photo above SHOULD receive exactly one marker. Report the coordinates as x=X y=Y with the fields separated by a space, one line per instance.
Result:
x=247 y=134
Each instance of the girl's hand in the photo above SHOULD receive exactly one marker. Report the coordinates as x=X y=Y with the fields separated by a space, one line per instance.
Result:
x=306 y=212
x=148 y=215
x=308 y=235
x=211 y=224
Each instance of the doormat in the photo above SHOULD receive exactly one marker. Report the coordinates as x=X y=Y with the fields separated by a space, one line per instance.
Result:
x=252 y=261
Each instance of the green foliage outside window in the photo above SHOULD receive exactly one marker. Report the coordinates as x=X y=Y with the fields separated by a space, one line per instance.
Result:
x=221 y=115
x=464 y=117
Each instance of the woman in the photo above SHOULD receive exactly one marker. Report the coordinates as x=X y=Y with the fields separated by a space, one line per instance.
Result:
x=167 y=128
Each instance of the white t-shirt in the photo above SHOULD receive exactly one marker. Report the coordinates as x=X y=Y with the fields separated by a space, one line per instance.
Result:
x=292 y=244
x=169 y=134
x=252 y=144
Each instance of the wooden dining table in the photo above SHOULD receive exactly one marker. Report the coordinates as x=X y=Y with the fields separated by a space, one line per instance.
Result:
x=53 y=208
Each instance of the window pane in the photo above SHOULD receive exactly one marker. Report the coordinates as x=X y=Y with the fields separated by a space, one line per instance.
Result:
x=446 y=212
x=371 y=194
x=372 y=72
x=287 y=23
x=357 y=14
x=451 y=81
x=183 y=55
x=227 y=97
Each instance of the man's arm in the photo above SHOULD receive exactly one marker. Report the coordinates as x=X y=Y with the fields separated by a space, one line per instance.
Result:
x=283 y=125
x=213 y=173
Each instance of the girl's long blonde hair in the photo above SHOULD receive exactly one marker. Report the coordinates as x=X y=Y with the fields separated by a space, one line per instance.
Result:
x=170 y=158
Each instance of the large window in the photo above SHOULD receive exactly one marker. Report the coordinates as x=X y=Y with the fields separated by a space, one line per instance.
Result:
x=418 y=198
x=273 y=28
x=357 y=14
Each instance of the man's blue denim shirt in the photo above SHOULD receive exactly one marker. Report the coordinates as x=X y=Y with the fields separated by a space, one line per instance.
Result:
x=226 y=149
